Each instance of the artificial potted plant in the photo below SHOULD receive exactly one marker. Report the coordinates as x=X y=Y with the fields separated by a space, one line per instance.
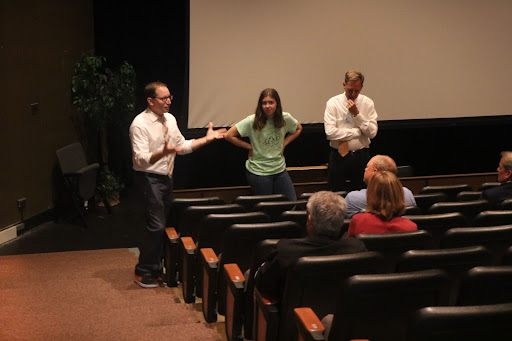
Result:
x=106 y=97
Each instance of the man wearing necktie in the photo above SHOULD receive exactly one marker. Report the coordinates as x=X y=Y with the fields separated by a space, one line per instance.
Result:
x=156 y=139
x=350 y=121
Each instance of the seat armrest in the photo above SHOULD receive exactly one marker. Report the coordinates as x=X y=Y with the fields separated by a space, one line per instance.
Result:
x=308 y=325
x=209 y=268
x=188 y=252
x=171 y=256
x=266 y=317
x=235 y=301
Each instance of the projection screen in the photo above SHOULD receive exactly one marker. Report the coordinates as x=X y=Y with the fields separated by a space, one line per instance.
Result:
x=421 y=59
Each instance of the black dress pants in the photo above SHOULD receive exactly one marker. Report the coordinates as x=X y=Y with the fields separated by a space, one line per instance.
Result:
x=346 y=173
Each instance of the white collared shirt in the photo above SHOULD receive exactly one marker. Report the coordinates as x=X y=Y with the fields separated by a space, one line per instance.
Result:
x=147 y=137
x=341 y=125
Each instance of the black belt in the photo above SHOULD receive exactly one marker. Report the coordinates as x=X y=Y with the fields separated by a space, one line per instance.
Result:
x=355 y=152
x=152 y=175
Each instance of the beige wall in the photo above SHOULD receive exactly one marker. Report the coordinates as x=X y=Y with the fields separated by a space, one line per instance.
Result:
x=39 y=44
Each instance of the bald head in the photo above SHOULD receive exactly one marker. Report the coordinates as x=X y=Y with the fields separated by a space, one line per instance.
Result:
x=379 y=163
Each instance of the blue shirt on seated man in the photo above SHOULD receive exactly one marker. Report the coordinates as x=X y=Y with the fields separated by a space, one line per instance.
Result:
x=499 y=193
x=356 y=200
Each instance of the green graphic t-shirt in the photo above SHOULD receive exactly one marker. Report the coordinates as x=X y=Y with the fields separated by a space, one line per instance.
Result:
x=267 y=144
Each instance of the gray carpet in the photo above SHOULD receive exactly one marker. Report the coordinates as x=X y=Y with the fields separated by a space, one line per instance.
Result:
x=89 y=295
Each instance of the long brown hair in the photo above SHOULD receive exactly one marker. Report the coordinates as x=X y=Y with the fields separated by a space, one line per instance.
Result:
x=260 y=118
x=385 y=195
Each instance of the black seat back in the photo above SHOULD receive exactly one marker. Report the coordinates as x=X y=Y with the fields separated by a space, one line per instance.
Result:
x=450 y=190
x=438 y=224
x=469 y=323
x=424 y=201
x=378 y=307
x=249 y=201
x=495 y=238
x=505 y=204
x=455 y=262
x=193 y=215
x=470 y=209
x=392 y=245
x=213 y=227
x=315 y=281
x=300 y=217
x=275 y=208
x=486 y=285
x=469 y=195
x=180 y=204
x=493 y=218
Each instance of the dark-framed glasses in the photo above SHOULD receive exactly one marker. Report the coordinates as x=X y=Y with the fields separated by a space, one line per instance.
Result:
x=165 y=98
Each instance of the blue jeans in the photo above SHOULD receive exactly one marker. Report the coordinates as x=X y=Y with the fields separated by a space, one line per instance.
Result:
x=271 y=184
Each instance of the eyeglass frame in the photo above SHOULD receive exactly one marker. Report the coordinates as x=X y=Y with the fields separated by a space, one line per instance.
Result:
x=170 y=98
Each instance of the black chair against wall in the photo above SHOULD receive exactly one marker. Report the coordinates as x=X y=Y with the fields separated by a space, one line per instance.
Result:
x=211 y=235
x=468 y=323
x=486 y=285
x=240 y=245
x=469 y=195
x=392 y=245
x=275 y=208
x=470 y=209
x=495 y=238
x=189 y=221
x=79 y=177
x=455 y=262
x=171 y=236
x=487 y=185
x=378 y=307
x=424 y=201
x=438 y=224
x=505 y=204
x=313 y=282
x=450 y=190
x=493 y=218
x=249 y=201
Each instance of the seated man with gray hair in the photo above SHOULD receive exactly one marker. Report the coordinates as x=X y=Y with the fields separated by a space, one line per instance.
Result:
x=326 y=213
x=499 y=193
x=356 y=200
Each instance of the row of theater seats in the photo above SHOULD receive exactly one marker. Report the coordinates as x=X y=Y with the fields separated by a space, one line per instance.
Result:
x=182 y=253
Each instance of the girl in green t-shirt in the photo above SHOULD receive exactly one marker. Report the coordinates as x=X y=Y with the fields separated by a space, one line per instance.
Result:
x=269 y=131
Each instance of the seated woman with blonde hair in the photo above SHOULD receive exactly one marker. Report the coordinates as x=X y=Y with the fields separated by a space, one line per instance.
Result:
x=386 y=204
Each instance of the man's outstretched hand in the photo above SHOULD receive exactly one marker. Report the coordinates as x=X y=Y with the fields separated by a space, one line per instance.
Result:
x=215 y=134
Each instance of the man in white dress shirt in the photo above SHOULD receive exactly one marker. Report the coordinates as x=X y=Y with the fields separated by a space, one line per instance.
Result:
x=350 y=122
x=156 y=139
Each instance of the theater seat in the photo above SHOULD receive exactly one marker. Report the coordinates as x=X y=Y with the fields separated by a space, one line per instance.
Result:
x=378 y=307
x=468 y=323
x=313 y=281
x=486 y=285
x=451 y=191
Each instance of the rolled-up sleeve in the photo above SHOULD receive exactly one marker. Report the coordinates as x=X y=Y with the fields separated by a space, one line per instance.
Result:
x=140 y=146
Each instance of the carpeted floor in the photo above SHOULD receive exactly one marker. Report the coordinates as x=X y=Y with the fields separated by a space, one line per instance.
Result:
x=90 y=295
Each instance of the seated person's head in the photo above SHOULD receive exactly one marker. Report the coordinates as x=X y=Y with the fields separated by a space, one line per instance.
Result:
x=385 y=196
x=379 y=163
x=505 y=167
x=326 y=214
